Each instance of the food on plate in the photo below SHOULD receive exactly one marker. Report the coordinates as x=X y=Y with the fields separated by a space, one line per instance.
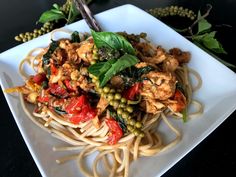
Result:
x=107 y=92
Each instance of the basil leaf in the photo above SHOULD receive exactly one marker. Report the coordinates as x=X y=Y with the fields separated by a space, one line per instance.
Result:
x=203 y=24
x=51 y=15
x=112 y=41
x=56 y=6
x=46 y=57
x=101 y=67
x=213 y=44
x=75 y=37
x=210 y=42
x=123 y=62
x=95 y=69
x=74 y=12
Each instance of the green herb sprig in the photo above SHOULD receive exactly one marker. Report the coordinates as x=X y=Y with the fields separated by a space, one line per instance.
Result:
x=105 y=70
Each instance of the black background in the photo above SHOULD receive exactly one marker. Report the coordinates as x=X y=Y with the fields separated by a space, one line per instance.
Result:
x=215 y=155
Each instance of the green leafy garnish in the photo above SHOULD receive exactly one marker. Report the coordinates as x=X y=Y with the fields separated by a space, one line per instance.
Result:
x=106 y=70
x=54 y=14
x=112 y=41
x=119 y=119
x=203 y=24
x=46 y=57
x=75 y=37
x=58 y=110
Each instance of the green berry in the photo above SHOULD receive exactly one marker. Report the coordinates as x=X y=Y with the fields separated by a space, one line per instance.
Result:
x=138 y=124
x=119 y=111
x=130 y=109
x=125 y=115
x=117 y=96
x=106 y=89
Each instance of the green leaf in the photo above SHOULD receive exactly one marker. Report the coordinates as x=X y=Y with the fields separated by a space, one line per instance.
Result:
x=122 y=63
x=56 y=6
x=73 y=13
x=75 y=37
x=95 y=69
x=210 y=42
x=212 y=54
x=203 y=24
x=112 y=41
x=51 y=15
x=100 y=68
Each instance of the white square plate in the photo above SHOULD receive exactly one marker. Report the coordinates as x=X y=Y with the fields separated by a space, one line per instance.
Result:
x=218 y=93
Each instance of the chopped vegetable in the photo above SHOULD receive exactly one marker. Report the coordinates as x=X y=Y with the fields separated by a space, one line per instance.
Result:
x=115 y=131
x=80 y=109
x=39 y=78
x=57 y=90
x=132 y=92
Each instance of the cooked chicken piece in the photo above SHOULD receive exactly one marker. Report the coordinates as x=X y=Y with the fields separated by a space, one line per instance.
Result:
x=116 y=82
x=85 y=51
x=102 y=104
x=182 y=57
x=59 y=56
x=150 y=54
x=141 y=65
x=70 y=49
x=158 y=85
x=170 y=64
x=151 y=106
x=84 y=71
x=82 y=82
x=74 y=75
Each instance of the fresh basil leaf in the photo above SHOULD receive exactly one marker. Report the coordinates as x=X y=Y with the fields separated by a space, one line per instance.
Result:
x=212 y=54
x=73 y=13
x=46 y=57
x=75 y=37
x=213 y=44
x=107 y=65
x=95 y=69
x=203 y=24
x=56 y=6
x=122 y=63
x=113 y=41
x=210 y=42
x=101 y=67
x=51 y=15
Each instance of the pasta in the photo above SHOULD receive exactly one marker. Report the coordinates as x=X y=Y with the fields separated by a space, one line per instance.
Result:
x=94 y=110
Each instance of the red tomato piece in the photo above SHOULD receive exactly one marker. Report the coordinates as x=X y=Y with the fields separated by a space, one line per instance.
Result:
x=57 y=90
x=54 y=70
x=86 y=114
x=115 y=130
x=39 y=78
x=76 y=104
x=80 y=109
x=43 y=99
x=69 y=86
x=132 y=91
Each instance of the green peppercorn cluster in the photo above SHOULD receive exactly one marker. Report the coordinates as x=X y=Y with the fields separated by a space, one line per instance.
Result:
x=23 y=37
x=121 y=105
x=66 y=7
x=133 y=37
x=172 y=11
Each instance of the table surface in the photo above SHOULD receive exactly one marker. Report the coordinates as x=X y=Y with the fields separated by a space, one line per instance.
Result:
x=213 y=155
